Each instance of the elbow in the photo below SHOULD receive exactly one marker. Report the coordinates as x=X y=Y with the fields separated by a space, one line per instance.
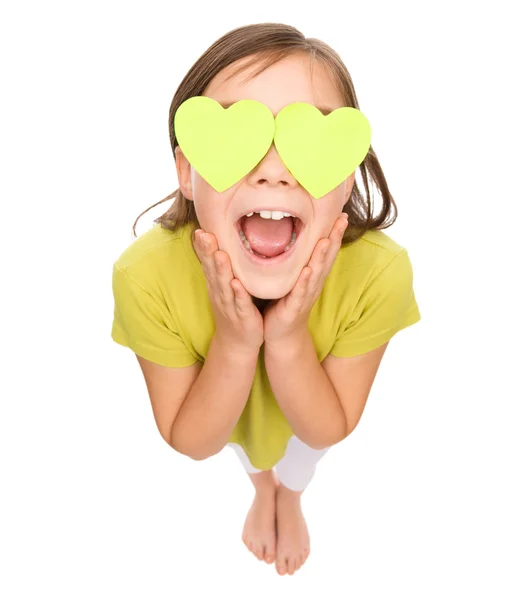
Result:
x=197 y=457
x=317 y=444
x=349 y=428
x=201 y=456
x=173 y=440
x=339 y=430
x=186 y=451
x=189 y=450
x=337 y=437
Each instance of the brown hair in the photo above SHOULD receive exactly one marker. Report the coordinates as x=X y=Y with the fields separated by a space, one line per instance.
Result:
x=269 y=43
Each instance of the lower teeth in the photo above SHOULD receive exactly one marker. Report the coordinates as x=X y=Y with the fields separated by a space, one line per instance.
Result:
x=247 y=244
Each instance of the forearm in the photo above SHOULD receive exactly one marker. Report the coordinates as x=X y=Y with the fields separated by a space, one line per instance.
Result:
x=304 y=392
x=214 y=403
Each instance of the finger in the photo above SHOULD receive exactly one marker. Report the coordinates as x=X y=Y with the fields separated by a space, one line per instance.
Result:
x=203 y=249
x=294 y=301
x=305 y=281
x=206 y=247
x=301 y=288
x=325 y=254
x=242 y=299
x=322 y=249
x=224 y=274
x=342 y=224
x=328 y=249
x=317 y=269
x=219 y=273
x=235 y=293
x=338 y=230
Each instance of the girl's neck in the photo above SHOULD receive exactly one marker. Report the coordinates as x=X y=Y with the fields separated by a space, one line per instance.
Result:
x=260 y=303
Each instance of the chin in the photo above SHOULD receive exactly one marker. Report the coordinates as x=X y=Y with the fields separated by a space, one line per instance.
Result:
x=266 y=290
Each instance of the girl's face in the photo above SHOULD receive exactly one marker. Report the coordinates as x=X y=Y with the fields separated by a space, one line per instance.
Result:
x=269 y=183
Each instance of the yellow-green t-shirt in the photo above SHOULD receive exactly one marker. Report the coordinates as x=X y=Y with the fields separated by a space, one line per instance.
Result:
x=163 y=313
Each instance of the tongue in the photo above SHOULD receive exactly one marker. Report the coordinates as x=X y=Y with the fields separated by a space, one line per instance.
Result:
x=268 y=237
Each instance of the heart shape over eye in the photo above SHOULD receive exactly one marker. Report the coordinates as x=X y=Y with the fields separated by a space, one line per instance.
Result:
x=321 y=151
x=223 y=145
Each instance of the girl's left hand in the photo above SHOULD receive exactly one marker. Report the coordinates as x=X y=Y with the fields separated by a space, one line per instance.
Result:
x=289 y=315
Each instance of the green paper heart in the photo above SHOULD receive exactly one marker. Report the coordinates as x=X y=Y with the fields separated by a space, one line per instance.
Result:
x=321 y=151
x=223 y=145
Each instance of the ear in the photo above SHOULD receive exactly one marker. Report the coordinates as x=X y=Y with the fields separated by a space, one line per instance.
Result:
x=183 y=173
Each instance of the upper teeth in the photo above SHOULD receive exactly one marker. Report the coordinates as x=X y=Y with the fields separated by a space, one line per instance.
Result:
x=271 y=214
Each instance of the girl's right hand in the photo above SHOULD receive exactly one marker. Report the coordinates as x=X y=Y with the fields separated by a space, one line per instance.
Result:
x=238 y=322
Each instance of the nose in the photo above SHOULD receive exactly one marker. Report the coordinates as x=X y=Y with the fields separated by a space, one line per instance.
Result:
x=271 y=172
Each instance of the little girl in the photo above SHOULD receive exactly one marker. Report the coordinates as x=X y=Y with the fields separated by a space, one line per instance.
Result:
x=260 y=305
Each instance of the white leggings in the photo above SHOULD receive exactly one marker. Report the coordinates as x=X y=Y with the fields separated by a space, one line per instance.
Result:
x=295 y=469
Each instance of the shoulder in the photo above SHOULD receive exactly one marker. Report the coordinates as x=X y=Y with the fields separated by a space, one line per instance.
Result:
x=160 y=259
x=148 y=248
x=362 y=261
x=375 y=247
x=371 y=294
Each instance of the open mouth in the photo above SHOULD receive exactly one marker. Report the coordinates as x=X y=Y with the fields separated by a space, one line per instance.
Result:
x=255 y=257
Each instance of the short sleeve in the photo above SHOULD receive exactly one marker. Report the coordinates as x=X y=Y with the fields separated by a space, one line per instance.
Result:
x=386 y=306
x=143 y=323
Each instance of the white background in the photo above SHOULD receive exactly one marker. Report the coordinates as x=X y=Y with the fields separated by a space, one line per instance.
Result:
x=425 y=499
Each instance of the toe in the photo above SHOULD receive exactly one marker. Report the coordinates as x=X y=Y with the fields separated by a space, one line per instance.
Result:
x=305 y=554
x=281 y=567
x=258 y=551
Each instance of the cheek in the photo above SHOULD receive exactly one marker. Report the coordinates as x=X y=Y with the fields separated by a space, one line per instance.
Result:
x=200 y=186
x=327 y=211
x=202 y=191
x=337 y=199
x=211 y=206
x=329 y=207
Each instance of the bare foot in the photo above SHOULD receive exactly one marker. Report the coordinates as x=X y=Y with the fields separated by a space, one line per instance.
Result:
x=293 y=540
x=259 y=534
